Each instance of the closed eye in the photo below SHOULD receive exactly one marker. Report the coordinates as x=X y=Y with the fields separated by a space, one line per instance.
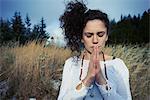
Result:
x=101 y=34
x=88 y=34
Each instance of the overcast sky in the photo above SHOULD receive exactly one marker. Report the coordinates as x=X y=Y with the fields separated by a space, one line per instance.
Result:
x=52 y=9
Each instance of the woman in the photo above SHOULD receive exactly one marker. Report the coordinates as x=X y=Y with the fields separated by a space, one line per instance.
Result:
x=92 y=75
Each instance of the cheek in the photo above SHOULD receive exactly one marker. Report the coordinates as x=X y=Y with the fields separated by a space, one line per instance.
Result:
x=86 y=43
x=102 y=41
x=85 y=40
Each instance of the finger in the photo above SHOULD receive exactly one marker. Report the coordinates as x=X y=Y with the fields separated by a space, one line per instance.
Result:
x=97 y=58
x=91 y=64
x=95 y=49
x=97 y=53
x=93 y=55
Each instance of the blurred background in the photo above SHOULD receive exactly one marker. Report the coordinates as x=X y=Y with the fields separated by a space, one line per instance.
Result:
x=33 y=49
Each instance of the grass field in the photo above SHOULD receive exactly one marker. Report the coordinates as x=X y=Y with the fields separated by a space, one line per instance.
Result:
x=34 y=70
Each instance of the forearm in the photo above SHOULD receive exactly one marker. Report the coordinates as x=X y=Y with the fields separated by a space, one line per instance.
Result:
x=76 y=94
x=109 y=92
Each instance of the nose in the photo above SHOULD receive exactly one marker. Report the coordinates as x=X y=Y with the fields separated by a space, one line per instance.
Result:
x=95 y=39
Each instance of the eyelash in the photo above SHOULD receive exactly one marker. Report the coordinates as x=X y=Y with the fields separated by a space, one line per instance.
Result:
x=99 y=34
x=88 y=36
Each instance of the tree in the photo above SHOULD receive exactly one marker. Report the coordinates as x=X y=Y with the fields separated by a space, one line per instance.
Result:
x=18 y=28
x=131 y=29
x=28 y=25
x=43 y=36
x=28 y=28
x=35 y=33
x=17 y=31
x=6 y=34
x=144 y=26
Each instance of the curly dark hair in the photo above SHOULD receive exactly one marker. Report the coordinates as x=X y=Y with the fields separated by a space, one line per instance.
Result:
x=74 y=20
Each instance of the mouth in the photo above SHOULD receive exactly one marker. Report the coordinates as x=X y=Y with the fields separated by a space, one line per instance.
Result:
x=95 y=46
x=92 y=48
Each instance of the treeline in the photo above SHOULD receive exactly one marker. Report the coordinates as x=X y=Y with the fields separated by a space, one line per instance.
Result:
x=133 y=30
x=129 y=29
x=17 y=30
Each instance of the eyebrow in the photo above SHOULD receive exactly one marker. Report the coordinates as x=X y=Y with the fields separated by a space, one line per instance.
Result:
x=101 y=32
x=88 y=33
x=93 y=33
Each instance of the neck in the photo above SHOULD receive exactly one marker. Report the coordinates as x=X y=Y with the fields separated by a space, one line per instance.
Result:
x=88 y=51
x=87 y=55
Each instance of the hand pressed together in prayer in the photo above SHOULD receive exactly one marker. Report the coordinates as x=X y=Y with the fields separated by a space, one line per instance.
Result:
x=94 y=70
x=94 y=73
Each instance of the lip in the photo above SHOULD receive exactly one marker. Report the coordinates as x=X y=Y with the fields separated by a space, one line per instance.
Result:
x=95 y=46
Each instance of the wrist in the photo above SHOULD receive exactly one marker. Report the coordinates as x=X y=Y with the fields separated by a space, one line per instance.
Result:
x=87 y=82
x=100 y=80
x=83 y=85
x=104 y=86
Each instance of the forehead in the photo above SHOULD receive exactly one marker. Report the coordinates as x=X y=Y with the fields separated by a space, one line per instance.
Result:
x=95 y=25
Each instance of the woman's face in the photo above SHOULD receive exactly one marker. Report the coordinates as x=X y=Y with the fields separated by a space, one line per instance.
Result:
x=94 y=34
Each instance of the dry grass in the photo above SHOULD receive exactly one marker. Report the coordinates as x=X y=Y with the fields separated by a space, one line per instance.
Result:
x=30 y=70
x=137 y=60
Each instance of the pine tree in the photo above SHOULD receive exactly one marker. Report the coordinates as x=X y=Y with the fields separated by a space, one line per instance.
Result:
x=43 y=36
x=6 y=34
x=28 y=25
x=144 y=26
x=18 y=28
x=35 y=33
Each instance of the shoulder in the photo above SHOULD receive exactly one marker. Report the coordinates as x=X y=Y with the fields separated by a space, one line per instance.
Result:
x=71 y=59
x=120 y=67
x=108 y=57
x=69 y=63
x=119 y=63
